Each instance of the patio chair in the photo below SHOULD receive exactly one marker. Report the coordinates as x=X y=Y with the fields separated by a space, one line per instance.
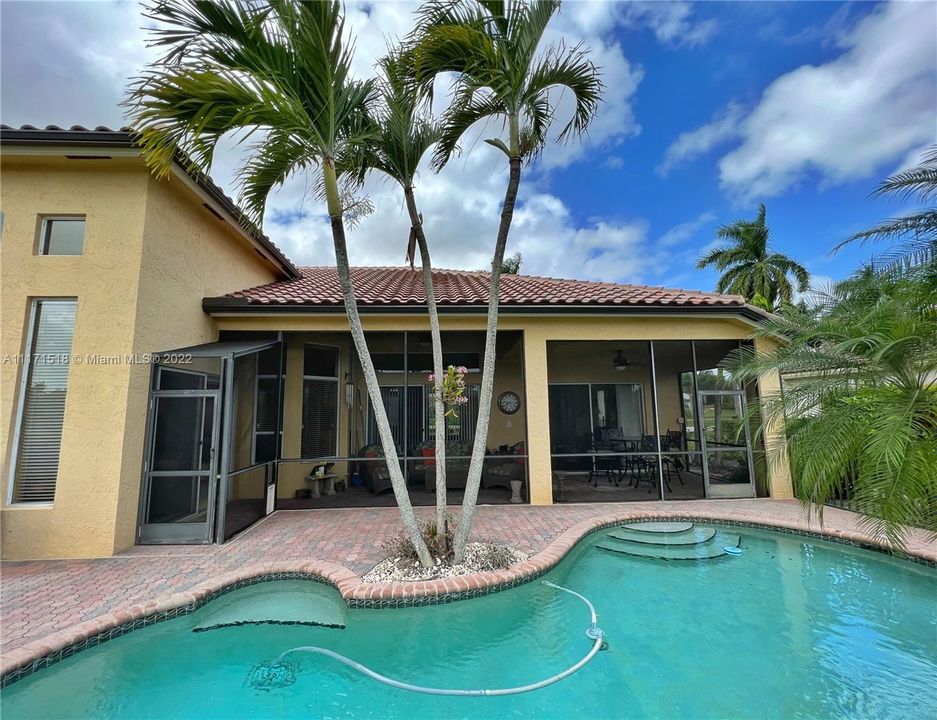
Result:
x=673 y=440
x=610 y=466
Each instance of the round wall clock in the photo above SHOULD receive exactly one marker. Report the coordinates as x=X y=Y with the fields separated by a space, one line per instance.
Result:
x=509 y=403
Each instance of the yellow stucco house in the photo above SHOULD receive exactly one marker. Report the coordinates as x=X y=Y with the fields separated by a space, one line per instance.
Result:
x=169 y=376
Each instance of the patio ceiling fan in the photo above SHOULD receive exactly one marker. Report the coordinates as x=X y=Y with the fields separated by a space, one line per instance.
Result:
x=621 y=362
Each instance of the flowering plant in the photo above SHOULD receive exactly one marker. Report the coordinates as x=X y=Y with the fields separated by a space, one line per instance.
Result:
x=453 y=389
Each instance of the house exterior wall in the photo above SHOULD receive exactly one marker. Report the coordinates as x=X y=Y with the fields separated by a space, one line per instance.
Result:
x=105 y=281
x=151 y=253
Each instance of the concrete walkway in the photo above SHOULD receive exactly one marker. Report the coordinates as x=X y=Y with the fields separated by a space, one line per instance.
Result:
x=41 y=599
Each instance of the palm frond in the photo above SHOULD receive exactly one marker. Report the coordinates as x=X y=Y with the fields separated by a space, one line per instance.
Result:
x=493 y=48
x=570 y=69
x=466 y=110
x=280 y=69
x=859 y=399
x=920 y=180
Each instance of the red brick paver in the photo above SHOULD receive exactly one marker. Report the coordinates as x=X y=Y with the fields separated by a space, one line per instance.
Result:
x=46 y=605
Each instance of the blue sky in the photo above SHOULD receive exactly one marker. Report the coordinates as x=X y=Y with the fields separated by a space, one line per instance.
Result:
x=684 y=87
x=710 y=108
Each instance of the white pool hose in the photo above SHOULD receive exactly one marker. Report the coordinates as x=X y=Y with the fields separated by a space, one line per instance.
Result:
x=593 y=632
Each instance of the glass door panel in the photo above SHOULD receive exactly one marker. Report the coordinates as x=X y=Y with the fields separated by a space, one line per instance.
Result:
x=570 y=427
x=723 y=419
x=727 y=458
x=179 y=488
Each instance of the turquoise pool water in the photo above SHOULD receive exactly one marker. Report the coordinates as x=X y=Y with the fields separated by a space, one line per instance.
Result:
x=792 y=628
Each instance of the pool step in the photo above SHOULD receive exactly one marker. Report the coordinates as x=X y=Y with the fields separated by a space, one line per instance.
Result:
x=693 y=536
x=713 y=548
x=659 y=527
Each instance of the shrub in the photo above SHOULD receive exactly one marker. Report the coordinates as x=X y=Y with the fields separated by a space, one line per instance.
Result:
x=496 y=557
x=400 y=546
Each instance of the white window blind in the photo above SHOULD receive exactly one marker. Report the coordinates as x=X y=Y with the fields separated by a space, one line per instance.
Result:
x=320 y=417
x=320 y=402
x=43 y=404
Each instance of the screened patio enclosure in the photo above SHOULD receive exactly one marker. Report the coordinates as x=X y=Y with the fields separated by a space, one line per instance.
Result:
x=330 y=427
x=265 y=421
x=648 y=420
x=209 y=468
x=258 y=422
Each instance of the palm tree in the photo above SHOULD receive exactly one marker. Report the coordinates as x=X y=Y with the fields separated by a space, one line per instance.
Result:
x=862 y=414
x=405 y=132
x=748 y=266
x=493 y=48
x=279 y=68
x=915 y=233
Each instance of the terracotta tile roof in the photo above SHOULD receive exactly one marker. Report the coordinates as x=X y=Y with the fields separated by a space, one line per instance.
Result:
x=105 y=137
x=396 y=286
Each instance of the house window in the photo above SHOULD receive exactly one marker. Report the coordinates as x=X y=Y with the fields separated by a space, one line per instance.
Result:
x=580 y=413
x=266 y=405
x=41 y=412
x=320 y=402
x=62 y=236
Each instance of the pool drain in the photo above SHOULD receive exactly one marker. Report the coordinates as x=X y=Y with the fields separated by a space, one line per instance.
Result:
x=272 y=675
x=279 y=673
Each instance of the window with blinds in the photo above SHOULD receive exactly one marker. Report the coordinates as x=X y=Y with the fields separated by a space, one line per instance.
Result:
x=392 y=396
x=419 y=418
x=39 y=436
x=320 y=402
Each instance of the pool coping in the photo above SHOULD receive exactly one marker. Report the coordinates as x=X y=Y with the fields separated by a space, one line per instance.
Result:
x=37 y=654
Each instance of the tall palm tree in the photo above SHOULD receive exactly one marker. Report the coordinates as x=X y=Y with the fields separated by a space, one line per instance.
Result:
x=748 y=266
x=406 y=131
x=493 y=48
x=915 y=233
x=281 y=69
x=862 y=415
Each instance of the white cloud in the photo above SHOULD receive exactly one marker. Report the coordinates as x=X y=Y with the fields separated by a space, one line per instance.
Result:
x=843 y=120
x=694 y=143
x=679 y=234
x=613 y=162
x=670 y=21
x=67 y=63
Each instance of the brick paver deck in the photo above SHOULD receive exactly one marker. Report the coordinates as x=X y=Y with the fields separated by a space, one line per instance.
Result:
x=45 y=605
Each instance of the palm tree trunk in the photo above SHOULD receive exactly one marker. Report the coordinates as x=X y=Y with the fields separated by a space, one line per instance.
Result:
x=370 y=376
x=436 y=338
x=488 y=370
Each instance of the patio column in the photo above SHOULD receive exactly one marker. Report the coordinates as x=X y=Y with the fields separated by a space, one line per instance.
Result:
x=538 y=417
x=778 y=462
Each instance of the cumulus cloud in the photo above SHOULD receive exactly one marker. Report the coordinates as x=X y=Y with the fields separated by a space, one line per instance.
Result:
x=695 y=143
x=671 y=22
x=679 y=234
x=846 y=119
x=68 y=63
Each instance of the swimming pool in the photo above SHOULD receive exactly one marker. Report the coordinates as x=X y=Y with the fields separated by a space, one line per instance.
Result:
x=794 y=627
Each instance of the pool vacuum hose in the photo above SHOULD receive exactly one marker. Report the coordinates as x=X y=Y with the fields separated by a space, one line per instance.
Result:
x=593 y=632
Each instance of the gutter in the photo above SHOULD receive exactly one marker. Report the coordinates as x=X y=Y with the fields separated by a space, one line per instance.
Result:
x=228 y=306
